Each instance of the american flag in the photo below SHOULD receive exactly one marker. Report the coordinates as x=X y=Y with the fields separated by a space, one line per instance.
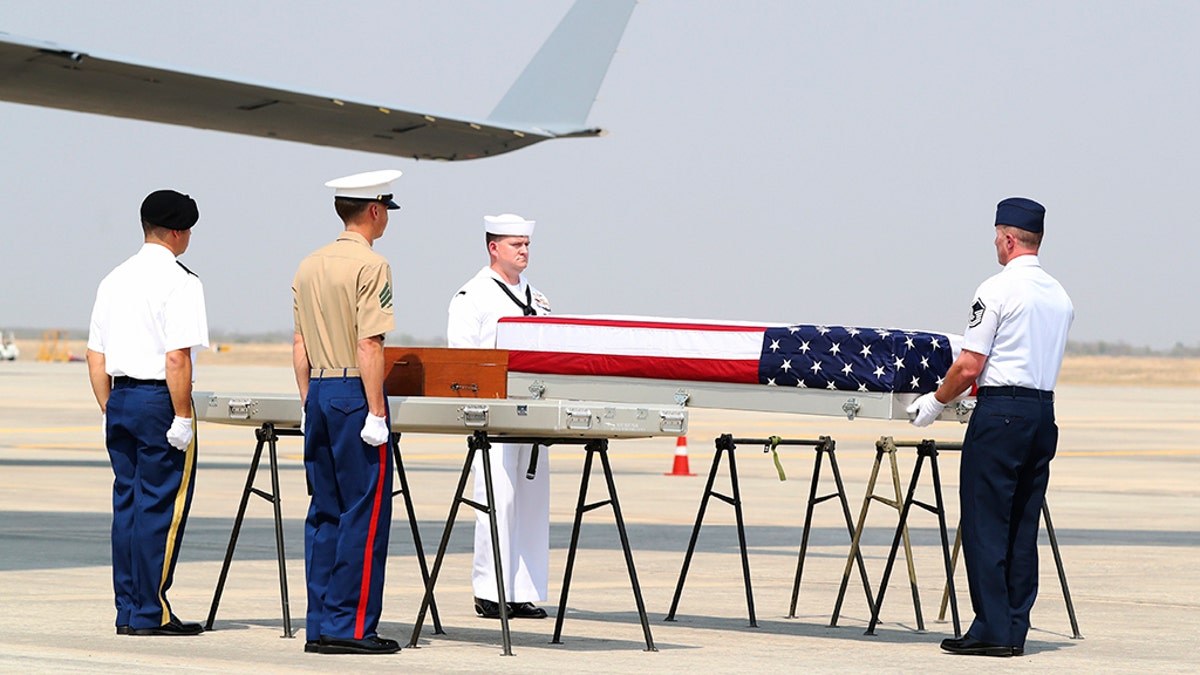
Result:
x=806 y=356
x=853 y=359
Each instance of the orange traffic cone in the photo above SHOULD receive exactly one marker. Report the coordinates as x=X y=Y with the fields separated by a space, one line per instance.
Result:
x=681 y=459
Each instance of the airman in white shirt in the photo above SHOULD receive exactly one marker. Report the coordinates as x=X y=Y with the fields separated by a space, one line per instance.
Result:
x=1013 y=349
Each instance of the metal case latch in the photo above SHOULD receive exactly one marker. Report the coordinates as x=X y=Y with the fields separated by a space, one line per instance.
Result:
x=537 y=389
x=474 y=416
x=672 y=422
x=242 y=408
x=578 y=418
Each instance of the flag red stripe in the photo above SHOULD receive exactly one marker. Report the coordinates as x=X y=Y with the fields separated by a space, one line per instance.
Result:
x=657 y=367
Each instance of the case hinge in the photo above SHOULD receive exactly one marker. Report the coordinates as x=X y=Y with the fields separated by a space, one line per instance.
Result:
x=963 y=410
x=851 y=408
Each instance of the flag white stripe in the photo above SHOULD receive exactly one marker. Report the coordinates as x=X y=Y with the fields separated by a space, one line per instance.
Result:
x=626 y=340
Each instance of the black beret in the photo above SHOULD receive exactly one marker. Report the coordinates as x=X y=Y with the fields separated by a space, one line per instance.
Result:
x=169 y=209
x=1021 y=213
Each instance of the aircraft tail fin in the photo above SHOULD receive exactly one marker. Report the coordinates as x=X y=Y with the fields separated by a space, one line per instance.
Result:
x=556 y=90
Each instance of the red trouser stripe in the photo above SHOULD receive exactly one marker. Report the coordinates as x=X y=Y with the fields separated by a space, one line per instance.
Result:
x=364 y=593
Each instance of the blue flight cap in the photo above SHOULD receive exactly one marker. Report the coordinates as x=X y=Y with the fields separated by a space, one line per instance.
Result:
x=1021 y=213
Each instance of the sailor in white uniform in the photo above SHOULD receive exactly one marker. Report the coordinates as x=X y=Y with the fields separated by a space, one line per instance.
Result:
x=522 y=505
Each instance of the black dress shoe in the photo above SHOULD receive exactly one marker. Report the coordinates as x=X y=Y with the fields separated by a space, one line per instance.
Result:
x=175 y=627
x=1018 y=651
x=487 y=609
x=371 y=645
x=311 y=646
x=525 y=610
x=122 y=630
x=969 y=646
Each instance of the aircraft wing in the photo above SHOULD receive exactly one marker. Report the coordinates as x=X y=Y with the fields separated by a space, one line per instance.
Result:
x=551 y=99
x=45 y=74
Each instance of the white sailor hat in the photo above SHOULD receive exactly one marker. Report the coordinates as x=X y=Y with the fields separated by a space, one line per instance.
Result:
x=508 y=224
x=373 y=186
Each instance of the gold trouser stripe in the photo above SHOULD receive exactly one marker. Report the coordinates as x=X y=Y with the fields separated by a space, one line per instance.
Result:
x=176 y=518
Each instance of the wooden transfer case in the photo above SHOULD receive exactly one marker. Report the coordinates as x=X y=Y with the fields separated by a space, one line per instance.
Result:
x=445 y=372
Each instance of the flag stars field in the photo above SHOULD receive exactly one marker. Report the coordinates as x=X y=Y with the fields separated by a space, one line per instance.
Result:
x=852 y=358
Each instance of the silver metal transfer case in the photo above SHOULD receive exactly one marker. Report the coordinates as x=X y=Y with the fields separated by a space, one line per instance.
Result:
x=727 y=396
x=426 y=414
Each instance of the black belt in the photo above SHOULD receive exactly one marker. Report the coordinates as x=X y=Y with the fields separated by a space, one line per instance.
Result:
x=1017 y=392
x=126 y=381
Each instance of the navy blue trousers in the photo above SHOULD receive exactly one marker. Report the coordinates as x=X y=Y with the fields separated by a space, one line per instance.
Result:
x=1003 y=476
x=349 y=519
x=152 y=493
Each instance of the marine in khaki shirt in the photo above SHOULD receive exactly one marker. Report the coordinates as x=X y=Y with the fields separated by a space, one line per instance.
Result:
x=342 y=293
x=342 y=305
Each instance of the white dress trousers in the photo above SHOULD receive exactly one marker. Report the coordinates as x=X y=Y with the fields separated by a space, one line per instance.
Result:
x=522 y=505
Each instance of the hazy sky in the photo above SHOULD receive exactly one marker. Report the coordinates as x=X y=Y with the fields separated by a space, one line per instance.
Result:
x=784 y=161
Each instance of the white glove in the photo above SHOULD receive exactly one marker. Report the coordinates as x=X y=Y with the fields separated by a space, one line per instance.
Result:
x=303 y=423
x=374 y=431
x=104 y=428
x=927 y=408
x=180 y=433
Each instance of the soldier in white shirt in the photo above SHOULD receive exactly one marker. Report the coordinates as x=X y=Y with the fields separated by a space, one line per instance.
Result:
x=147 y=324
x=522 y=505
x=1013 y=349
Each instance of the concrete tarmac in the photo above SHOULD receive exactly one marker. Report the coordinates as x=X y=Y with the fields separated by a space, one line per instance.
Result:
x=1124 y=495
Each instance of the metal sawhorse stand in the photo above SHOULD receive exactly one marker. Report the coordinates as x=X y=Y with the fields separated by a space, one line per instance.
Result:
x=727 y=444
x=267 y=435
x=926 y=449
x=883 y=446
x=479 y=442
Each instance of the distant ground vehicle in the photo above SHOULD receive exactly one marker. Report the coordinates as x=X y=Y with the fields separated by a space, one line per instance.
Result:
x=8 y=347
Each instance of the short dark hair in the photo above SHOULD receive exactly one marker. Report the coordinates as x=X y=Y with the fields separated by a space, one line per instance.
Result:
x=149 y=228
x=350 y=209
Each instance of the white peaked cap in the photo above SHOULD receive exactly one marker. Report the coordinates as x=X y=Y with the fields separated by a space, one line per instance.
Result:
x=372 y=185
x=508 y=224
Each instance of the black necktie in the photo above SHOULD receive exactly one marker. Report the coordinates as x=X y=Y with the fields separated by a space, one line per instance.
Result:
x=527 y=306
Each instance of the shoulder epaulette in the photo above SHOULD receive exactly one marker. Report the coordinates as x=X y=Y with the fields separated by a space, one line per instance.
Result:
x=185 y=269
